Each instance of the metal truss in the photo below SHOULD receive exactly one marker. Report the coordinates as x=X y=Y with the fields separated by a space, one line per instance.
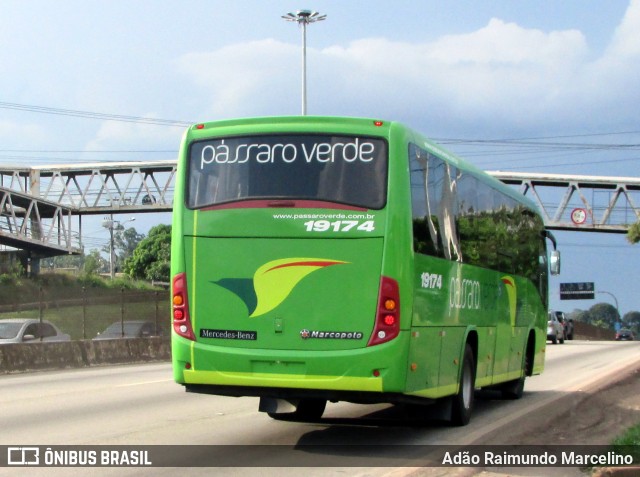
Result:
x=584 y=203
x=99 y=188
x=40 y=226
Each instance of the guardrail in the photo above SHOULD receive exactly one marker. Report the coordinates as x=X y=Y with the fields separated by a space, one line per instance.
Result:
x=20 y=358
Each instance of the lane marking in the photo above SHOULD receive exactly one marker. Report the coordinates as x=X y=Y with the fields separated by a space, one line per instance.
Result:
x=142 y=383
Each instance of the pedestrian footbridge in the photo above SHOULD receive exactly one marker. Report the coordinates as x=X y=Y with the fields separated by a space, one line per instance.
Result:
x=39 y=226
x=38 y=203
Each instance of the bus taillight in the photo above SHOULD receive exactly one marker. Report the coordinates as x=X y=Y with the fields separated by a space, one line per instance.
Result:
x=180 y=312
x=387 y=324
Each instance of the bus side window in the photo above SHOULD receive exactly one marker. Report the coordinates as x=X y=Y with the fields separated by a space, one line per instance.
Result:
x=448 y=208
x=427 y=238
x=433 y=203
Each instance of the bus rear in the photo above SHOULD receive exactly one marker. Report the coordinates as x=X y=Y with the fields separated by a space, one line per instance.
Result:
x=282 y=286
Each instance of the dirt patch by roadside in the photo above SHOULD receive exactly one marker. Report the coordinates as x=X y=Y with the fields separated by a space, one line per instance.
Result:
x=595 y=417
x=587 y=418
x=582 y=418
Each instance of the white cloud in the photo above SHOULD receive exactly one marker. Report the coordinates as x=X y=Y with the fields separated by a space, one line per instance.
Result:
x=25 y=133
x=626 y=40
x=113 y=135
x=484 y=72
x=607 y=91
x=500 y=75
x=507 y=44
x=244 y=79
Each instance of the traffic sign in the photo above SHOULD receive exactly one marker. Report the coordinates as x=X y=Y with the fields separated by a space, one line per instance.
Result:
x=578 y=216
x=577 y=291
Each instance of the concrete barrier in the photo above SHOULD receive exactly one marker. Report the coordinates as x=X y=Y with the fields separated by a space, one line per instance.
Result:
x=584 y=331
x=23 y=357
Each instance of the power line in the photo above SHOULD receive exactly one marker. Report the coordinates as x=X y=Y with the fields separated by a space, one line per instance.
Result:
x=581 y=163
x=526 y=145
x=94 y=115
x=545 y=137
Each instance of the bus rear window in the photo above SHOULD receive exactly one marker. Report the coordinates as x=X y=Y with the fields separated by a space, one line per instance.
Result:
x=339 y=169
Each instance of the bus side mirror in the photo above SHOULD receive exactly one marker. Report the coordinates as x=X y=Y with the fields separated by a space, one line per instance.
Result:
x=554 y=262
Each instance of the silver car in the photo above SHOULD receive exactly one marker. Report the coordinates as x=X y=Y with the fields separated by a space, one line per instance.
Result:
x=555 y=329
x=130 y=329
x=29 y=330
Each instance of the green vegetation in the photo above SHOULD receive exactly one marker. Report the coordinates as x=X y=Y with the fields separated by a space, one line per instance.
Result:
x=631 y=437
x=605 y=315
x=633 y=235
x=628 y=443
x=151 y=258
x=140 y=257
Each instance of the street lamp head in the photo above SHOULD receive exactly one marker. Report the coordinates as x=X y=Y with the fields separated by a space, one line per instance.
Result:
x=304 y=17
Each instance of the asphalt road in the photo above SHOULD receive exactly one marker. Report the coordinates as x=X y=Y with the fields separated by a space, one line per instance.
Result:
x=141 y=405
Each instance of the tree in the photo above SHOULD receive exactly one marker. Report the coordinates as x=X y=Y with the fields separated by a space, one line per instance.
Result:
x=582 y=316
x=88 y=264
x=63 y=261
x=94 y=263
x=151 y=258
x=125 y=242
x=631 y=320
x=633 y=235
x=604 y=315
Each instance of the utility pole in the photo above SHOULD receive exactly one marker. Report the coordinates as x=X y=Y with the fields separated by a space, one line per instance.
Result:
x=109 y=224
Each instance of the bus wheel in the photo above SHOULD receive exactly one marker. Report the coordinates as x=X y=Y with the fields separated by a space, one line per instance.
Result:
x=462 y=403
x=514 y=389
x=306 y=410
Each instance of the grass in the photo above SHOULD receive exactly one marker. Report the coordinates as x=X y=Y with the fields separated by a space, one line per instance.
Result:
x=628 y=444
x=631 y=437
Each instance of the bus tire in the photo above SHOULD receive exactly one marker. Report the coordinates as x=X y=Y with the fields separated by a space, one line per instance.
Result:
x=515 y=389
x=462 y=403
x=306 y=410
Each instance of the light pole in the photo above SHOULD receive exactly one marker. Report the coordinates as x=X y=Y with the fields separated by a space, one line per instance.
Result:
x=614 y=299
x=109 y=224
x=303 y=18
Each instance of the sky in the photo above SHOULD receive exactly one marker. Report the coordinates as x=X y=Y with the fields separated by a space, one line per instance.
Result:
x=460 y=72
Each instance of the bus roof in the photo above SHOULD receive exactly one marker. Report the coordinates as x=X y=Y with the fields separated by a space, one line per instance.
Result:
x=346 y=125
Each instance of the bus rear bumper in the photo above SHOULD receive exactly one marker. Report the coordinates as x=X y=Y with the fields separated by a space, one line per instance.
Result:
x=268 y=380
x=295 y=394
x=246 y=372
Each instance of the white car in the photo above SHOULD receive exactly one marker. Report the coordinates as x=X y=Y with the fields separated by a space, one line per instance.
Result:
x=29 y=330
x=555 y=329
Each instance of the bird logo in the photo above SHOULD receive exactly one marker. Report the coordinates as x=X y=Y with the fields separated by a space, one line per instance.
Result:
x=273 y=282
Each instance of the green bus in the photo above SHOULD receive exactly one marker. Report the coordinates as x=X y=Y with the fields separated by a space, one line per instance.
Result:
x=321 y=259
